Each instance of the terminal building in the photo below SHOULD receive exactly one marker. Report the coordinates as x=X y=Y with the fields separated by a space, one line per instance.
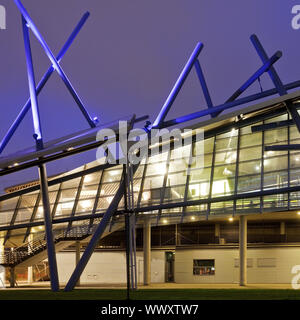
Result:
x=231 y=217
x=235 y=219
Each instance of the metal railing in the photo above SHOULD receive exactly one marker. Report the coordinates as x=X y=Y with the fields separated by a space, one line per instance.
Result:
x=39 y=244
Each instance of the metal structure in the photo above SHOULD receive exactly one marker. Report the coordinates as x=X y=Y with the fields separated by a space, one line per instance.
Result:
x=229 y=183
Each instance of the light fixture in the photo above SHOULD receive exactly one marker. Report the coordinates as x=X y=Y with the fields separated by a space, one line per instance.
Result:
x=165 y=221
x=230 y=219
x=298 y=213
x=193 y=218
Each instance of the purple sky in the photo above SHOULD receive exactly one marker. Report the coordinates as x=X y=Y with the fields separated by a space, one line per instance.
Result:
x=128 y=56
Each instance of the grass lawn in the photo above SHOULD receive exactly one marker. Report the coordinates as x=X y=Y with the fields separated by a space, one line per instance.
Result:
x=153 y=294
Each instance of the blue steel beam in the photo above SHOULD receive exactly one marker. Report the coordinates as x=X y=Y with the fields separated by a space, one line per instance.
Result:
x=272 y=125
x=283 y=147
x=204 y=86
x=178 y=85
x=112 y=208
x=267 y=64
x=54 y=62
x=42 y=83
x=225 y=106
x=31 y=81
x=276 y=79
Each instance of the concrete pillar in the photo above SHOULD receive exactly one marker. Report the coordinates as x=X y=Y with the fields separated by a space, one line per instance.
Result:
x=147 y=251
x=217 y=232
x=243 y=250
x=282 y=232
x=77 y=257
x=30 y=269
x=2 y=269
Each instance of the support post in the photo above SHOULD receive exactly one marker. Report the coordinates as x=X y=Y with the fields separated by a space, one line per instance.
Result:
x=29 y=269
x=12 y=278
x=147 y=251
x=77 y=258
x=243 y=250
x=282 y=231
x=217 y=232
x=48 y=229
x=2 y=260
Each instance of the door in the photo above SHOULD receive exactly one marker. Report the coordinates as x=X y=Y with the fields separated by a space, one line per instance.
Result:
x=170 y=258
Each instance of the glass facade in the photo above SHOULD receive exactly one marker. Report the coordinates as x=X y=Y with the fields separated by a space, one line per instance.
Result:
x=233 y=166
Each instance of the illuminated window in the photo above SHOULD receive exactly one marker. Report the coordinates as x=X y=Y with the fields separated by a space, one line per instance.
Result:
x=203 y=267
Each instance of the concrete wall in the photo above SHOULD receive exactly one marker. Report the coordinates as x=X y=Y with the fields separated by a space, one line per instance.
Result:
x=110 y=267
x=265 y=265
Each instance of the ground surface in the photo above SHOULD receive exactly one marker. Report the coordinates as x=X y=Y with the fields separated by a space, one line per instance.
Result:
x=153 y=294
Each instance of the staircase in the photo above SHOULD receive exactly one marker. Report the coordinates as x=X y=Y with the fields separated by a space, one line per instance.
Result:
x=35 y=251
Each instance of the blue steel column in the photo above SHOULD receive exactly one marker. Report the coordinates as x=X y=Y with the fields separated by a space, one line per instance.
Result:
x=48 y=229
x=42 y=83
x=31 y=81
x=54 y=62
x=42 y=167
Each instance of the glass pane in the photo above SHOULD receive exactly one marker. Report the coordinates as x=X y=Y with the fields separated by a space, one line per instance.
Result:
x=225 y=157
x=159 y=168
x=248 y=205
x=208 y=146
x=276 y=163
x=276 y=180
x=182 y=152
x=294 y=133
x=88 y=191
x=200 y=175
x=226 y=143
x=154 y=182
x=250 y=153
x=295 y=160
x=247 y=129
x=222 y=207
x=85 y=205
x=223 y=187
x=275 y=201
x=295 y=199
x=198 y=190
x=223 y=172
x=248 y=184
x=112 y=175
x=251 y=167
x=294 y=177
x=93 y=178
x=278 y=118
x=176 y=179
x=229 y=134
x=9 y=204
x=252 y=139
x=275 y=136
x=178 y=165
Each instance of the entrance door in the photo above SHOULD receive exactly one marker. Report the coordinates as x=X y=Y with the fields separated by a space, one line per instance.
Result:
x=170 y=257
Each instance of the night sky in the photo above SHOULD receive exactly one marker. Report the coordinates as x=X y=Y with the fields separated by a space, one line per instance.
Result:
x=128 y=56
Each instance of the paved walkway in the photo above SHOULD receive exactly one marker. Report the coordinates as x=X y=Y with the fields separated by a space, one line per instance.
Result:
x=46 y=285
